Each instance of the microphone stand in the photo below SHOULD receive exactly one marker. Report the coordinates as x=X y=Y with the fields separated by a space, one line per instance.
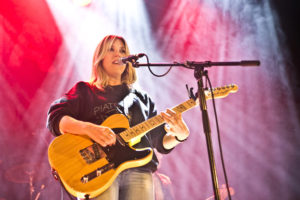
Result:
x=199 y=72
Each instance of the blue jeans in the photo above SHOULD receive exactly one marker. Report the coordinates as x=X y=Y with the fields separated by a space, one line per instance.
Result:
x=131 y=184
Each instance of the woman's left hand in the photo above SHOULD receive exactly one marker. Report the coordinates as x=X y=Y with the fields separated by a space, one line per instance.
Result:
x=176 y=124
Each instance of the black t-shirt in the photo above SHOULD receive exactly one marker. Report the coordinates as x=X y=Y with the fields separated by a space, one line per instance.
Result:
x=86 y=102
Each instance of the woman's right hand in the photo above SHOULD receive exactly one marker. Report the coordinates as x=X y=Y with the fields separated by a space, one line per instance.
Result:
x=101 y=134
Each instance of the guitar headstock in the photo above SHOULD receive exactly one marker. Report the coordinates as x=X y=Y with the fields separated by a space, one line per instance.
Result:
x=218 y=92
x=221 y=92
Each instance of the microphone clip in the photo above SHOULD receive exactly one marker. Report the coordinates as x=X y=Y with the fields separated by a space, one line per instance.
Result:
x=132 y=58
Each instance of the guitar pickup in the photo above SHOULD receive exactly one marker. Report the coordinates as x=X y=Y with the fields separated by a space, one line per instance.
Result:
x=92 y=153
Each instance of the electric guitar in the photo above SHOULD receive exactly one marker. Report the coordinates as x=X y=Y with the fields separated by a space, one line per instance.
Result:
x=87 y=169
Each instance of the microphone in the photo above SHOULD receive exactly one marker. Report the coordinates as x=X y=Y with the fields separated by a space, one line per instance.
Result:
x=131 y=58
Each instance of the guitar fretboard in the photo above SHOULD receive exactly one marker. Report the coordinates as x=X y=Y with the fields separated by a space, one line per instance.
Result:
x=142 y=128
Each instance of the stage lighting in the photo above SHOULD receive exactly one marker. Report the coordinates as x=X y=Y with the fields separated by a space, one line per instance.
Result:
x=82 y=2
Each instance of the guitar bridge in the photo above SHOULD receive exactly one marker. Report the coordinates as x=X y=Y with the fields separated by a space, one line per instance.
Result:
x=85 y=179
x=98 y=172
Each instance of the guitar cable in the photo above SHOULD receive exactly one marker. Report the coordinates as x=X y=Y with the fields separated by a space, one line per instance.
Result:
x=219 y=137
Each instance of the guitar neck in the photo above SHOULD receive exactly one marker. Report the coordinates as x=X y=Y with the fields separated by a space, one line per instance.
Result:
x=142 y=128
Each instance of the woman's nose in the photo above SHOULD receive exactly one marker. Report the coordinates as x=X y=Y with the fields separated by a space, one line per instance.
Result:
x=117 y=53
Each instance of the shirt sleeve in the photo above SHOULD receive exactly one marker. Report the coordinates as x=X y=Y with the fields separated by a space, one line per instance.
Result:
x=69 y=105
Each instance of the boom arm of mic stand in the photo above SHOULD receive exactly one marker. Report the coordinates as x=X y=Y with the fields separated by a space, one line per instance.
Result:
x=194 y=64
x=137 y=64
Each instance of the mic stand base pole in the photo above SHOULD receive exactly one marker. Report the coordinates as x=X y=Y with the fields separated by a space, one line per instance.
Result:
x=199 y=73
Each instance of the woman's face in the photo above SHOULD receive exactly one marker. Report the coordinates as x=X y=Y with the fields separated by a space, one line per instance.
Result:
x=111 y=62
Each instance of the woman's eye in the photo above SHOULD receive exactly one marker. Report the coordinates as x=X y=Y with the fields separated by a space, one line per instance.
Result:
x=123 y=51
x=111 y=49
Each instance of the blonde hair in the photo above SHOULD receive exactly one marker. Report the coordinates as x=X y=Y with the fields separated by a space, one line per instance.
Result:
x=98 y=73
